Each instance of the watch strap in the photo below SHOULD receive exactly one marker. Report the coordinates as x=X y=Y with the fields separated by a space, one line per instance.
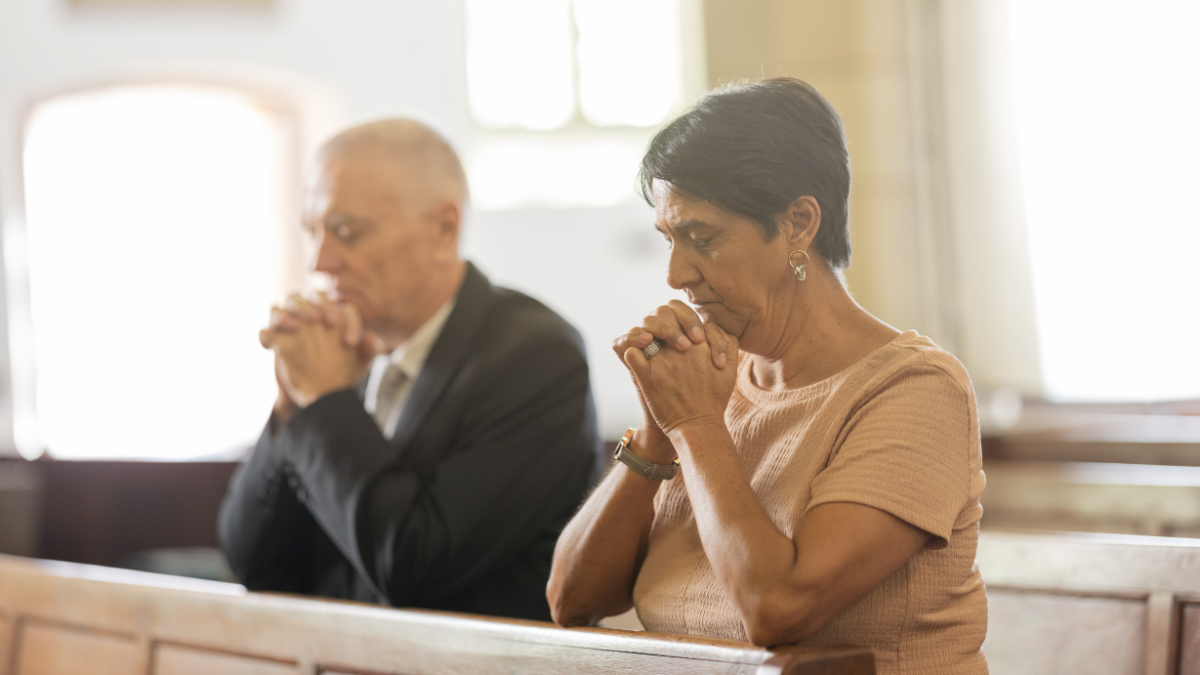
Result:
x=640 y=466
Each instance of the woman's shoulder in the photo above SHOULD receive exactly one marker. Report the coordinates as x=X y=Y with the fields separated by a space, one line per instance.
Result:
x=912 y=355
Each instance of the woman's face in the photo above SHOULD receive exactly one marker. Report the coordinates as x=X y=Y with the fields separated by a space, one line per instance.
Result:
x=731 y=274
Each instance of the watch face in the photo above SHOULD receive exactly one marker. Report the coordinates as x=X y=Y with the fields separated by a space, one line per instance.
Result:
x=624 y=442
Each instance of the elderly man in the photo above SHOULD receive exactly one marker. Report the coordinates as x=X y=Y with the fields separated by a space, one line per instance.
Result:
x=433 y=432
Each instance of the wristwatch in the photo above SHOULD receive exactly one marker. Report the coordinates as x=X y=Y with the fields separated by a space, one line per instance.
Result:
x=641 y=466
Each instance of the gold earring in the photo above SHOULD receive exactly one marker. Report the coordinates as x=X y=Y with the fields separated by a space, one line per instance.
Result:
x=798 y=269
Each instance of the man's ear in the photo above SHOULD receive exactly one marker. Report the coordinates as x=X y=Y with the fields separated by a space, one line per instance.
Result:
x=447 y=221
x=800 y=222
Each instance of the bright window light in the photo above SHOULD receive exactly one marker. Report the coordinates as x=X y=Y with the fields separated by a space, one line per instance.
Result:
x=1108 y=108
x=572 y=171
x=153 y=216
x=629 y=60
x=522 y=61
x=519 y=67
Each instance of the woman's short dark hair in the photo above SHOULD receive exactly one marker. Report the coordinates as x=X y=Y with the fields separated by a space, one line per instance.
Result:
x=753 y=149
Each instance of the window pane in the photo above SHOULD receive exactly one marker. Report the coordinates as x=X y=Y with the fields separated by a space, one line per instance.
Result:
x=1107 y=106
x=566 y=170
x=519 y=66
x=629 y=60
x=153 y=217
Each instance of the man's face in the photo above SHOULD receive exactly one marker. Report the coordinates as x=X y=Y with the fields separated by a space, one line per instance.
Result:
x=379 y=245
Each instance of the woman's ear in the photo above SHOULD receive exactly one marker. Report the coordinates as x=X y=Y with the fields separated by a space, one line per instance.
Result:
x=801 y=221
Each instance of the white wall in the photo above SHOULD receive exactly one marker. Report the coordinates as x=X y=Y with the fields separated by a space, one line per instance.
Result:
x=334 y=63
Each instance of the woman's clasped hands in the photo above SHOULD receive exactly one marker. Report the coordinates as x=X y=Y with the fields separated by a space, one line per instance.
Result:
x=689 y=381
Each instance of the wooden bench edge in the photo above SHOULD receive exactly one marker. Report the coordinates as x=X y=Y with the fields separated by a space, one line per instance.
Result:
x=799 y=660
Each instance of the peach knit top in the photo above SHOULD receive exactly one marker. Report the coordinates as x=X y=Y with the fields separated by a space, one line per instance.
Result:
x=896 y=431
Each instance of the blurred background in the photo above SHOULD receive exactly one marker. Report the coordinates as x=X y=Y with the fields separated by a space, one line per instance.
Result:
x=1025 y=177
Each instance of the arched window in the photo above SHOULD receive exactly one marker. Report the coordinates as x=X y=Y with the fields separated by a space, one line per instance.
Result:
x=155 y=221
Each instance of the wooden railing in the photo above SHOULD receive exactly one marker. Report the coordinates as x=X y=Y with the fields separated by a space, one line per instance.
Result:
x=1091 y=603
x=1058 y=603
x=60 y=619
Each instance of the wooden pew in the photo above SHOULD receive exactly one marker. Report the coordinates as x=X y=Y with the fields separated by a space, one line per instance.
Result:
x=62 y=618
x=1082 y=603
x=1092 y=497
x=1163 y=433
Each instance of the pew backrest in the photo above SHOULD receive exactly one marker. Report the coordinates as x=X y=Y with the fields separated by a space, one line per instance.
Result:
x=1141 y=499
x=60 y=618
x=1091 y=603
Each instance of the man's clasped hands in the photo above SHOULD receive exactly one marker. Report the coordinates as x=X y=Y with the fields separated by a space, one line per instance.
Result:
x=320 y=347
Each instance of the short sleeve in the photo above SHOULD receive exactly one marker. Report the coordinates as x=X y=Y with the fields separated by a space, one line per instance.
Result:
x=905 y=450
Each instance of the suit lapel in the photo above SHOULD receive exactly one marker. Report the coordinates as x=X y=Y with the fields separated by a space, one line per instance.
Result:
x=447 y=356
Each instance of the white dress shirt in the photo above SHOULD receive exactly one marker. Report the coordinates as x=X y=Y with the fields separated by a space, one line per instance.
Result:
x=408 y=358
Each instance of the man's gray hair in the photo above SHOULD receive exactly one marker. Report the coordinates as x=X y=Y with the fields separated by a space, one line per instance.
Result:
x=417 y=146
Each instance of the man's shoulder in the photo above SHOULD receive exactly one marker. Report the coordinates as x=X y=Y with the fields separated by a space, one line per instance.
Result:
x=505 y=323
x=520 y=337
x=519 y=326
x=525 y=316
x=516 y=314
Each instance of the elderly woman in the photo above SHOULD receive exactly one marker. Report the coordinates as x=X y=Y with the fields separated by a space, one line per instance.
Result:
x=828 y=465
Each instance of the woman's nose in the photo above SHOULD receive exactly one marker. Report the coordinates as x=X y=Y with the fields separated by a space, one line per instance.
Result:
x=680 y=272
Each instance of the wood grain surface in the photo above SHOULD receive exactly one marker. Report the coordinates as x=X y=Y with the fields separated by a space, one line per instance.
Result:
x=50 y=648
x=131 y=622
x=1090 y=603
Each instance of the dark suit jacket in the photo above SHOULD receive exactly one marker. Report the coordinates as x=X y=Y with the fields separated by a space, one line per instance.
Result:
x=495 y=449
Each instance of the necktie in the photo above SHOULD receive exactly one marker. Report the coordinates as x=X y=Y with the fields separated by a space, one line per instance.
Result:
x=389 y=392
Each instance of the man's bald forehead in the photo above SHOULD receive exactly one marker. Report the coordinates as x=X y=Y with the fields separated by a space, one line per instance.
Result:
x=417 y=150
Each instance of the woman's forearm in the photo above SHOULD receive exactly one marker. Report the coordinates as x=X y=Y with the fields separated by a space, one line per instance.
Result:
x=752 y=559
x=599 y=552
